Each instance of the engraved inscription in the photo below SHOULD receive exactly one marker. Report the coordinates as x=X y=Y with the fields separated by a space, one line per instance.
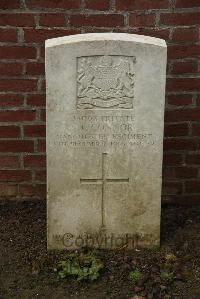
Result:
x=105 y=82
x=103 y=131
x=103 y=181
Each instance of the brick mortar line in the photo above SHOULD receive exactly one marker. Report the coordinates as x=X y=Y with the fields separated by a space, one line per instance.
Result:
x=189 y=75
x=21 y=93
x=38 y=115
x=40 y=77
x=95 y=11
x=186 y=59
x=35 y=154
x=28 y=45
x=184 y=76
x=71 y=28
x=176 y=152
x=191 y=129
x=197 y=138
x=128 y=29
x=18 y=169
x=179 y=152
x=173 y=60
x=19 y=60
x=20 y=108
x=82 y=5
x=23 y=77
x=23 y=4
x=193 y=179
x=112 y=5
x=43 y=93
x=67 y=27
x=32 y=183
x=194 y=100
x=10 y=155
x=173 y=107
x=175 y=181
x=180 y=123
x=21 y=161
x=67 y=21
x=32 y=122
x=24 y=168
x=21 y=137
x=181 y=108
x=37 y=20
x=172 y=4
x=132 y=30
x=181 y=92
x=38 y=53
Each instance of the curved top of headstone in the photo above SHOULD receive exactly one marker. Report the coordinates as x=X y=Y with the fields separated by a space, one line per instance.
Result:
x=105 y=37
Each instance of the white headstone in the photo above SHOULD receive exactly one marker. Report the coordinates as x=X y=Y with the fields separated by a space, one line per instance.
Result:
x=105 y=107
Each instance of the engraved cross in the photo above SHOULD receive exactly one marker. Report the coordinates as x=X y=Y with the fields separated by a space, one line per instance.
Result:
x=103 y=181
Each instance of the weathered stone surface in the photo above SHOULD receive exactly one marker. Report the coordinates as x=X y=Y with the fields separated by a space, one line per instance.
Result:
x=105 y=106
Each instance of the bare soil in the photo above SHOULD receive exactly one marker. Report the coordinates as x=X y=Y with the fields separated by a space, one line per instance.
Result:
x=28 y=270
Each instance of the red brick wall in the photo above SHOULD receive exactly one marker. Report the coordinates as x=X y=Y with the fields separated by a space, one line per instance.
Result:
x=25 y=24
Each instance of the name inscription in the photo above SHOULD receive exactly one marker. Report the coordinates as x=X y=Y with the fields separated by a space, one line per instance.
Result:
x=102 y=131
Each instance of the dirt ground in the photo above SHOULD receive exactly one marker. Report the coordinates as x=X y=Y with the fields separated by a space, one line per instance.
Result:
x=27 y=270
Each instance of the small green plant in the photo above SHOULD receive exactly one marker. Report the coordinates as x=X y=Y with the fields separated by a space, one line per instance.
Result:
x=166 y=276
x=135 y=275
x=83 y=266
x=167 y=268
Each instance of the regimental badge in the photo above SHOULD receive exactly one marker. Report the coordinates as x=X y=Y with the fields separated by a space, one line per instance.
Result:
x=105 y=82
